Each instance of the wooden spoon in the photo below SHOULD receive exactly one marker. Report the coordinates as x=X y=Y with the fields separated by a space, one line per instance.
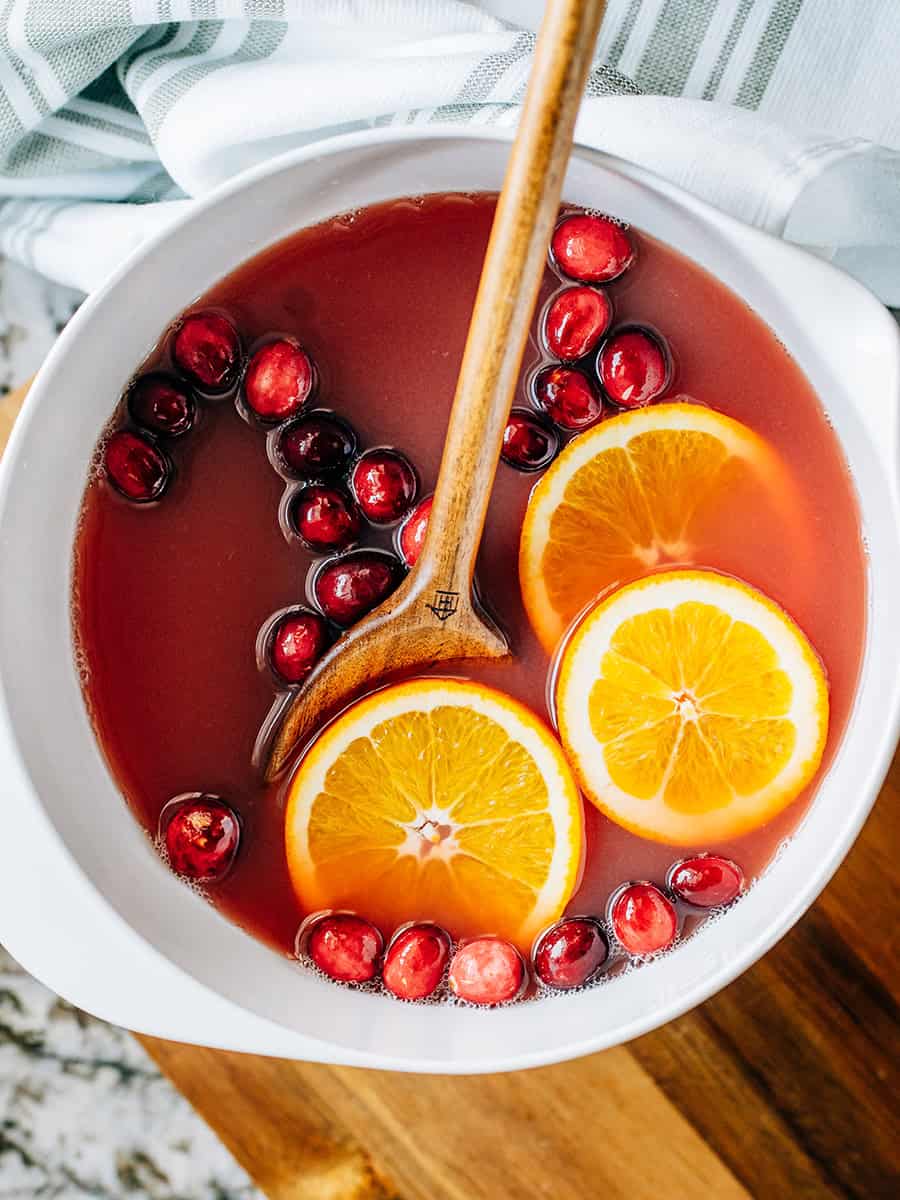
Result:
x=434 y=616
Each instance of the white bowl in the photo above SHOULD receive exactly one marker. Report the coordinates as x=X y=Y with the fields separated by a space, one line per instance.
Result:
x=86 y=905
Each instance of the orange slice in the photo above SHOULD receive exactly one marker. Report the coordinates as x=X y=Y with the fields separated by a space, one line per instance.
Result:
x=643 y=489
x=691 y=707
x=442 y=800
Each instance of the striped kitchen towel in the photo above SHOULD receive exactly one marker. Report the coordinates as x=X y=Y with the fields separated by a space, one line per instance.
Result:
x=113 y=113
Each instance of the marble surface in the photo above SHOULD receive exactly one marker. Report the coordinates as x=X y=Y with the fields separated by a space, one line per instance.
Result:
x=32 y=313
x=83 y=1111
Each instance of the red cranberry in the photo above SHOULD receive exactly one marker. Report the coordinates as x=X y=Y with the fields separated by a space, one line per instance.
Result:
x=135 y=467
x=591 y=248
x=349 y=587
x=527 y=442
x=298 y=641
x=487 y=970
x=161 y=404
x=570 y=952
x=278 y=380
x=568 y=397
x=633 y=367
x=345 y=947
x=643 y=918
x=384 y=485
x=201 y=835
x=317 y=446
x=413 y=530
x=208 y=350
x=325 y=517
x=576 y=321
x=706 y=880
x=415 y=961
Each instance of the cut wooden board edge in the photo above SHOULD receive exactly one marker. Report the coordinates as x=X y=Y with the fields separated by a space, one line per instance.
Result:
x=597 y=1126
x=274 y=1123
x=10 y=404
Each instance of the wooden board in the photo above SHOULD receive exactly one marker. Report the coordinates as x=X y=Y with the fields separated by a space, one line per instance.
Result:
x=783 y=1086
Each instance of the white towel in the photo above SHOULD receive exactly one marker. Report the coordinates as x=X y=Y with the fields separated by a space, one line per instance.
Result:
x=113 y=113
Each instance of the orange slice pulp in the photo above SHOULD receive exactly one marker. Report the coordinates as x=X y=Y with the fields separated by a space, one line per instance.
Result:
x=656 y=486
x=437 y=799
x=691 y=707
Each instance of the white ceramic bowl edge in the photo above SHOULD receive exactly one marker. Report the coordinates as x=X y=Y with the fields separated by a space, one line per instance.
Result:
x=85 y=904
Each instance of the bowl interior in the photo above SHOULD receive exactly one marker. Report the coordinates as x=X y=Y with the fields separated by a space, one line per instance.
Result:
x=804 y=301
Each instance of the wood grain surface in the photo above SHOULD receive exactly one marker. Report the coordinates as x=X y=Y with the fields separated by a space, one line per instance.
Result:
x=784 y=1086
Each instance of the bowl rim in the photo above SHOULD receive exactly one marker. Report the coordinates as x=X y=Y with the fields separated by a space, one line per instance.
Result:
x=875 y=769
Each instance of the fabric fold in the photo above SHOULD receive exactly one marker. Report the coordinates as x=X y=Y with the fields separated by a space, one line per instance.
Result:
x=113 y=113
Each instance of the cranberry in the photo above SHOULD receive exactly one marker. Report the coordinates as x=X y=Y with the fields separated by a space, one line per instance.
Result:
x=384 y=485
x=297 y=643
x=643 y=918
x=349 y=587
x=570 y=952
x=527 y=442
x=317 y=446
x=568 y=397
x=487 y=970
x=161 y=404
x=135 y=467
x=591 y=248
x=633 y=367
x=415 y=961
x=576 y=321
x=208 y=350
x=325 y=517
x=201 y=835
x=706 y=880
x=345 y=947
x=278 y=380
x=413 y=530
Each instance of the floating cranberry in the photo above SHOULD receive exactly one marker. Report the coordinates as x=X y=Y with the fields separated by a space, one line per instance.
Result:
x=201 y=835
x=413 y=530
x=345 y=947
x=298 y=641
x=591 y=248
x=207 y=349
x=278 y=380
x=528 y=444
x=325 y=517
x=570 y=952
x=576 y=321
x=317 y=446
x=349 y=587
x=161 y=404
x=135 y=467
x=487 y=970
x=643 y=919
x=384 y=485
x=633 y=367
x=415 y=961
x=568 y=397
x=706 y=880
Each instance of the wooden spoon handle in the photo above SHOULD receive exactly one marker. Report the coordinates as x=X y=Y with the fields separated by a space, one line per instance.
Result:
x=512 y=272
